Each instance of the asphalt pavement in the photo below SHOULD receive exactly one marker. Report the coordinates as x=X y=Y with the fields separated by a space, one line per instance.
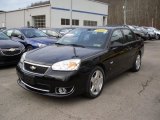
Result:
x=130 y=96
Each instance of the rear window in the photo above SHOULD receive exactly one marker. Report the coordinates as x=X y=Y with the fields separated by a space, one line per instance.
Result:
x=129 y=36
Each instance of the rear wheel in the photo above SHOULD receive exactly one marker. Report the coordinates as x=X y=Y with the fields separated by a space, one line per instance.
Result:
x=137 y=64
x=157 y=37
x=95 y=83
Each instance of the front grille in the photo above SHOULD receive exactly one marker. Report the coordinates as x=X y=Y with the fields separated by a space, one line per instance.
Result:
x=35 y=68
x=11 y=51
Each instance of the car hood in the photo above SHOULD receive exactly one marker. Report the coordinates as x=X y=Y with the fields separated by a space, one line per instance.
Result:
x=52 y=54
x=43 y=40
x=157 y=32
x=4 y=44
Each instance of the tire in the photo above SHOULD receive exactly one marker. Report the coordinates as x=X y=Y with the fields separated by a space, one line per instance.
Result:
x=95 y=83
x=28 y=48
x=149 y=37
x=137 y=63
x=157 y=37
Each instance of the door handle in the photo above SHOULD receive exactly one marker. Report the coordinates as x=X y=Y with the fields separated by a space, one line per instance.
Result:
x=114 y=48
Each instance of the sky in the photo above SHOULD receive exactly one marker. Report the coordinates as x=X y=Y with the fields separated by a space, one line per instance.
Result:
x=8 y=5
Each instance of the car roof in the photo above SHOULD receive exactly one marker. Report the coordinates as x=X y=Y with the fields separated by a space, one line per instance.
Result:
x=105 y=27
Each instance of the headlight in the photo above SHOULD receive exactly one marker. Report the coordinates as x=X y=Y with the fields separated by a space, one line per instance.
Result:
x=41 y=45
x=23 y=57
x=67 y=65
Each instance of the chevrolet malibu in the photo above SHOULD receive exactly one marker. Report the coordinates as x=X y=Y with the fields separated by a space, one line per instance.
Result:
x=80 y=62
x=10 y=51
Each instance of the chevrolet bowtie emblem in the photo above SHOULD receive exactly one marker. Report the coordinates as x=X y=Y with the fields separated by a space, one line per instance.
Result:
x=33 y=68
x=12 y=50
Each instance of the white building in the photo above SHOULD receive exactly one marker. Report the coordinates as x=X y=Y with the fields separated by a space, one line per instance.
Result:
x=59 y=13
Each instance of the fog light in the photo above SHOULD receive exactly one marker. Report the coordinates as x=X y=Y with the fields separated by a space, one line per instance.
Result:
x=62 y=91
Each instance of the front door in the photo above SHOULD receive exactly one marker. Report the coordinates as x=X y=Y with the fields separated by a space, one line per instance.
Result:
x=115 y=60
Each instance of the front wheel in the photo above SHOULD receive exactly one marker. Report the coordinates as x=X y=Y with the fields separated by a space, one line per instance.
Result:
x=137 y=64
x=95 y=83
x=28 y=48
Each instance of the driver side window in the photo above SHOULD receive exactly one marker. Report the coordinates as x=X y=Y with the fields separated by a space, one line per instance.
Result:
x=117 y=38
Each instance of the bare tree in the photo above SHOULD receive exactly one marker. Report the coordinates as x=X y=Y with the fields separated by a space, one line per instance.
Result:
x=139 y=12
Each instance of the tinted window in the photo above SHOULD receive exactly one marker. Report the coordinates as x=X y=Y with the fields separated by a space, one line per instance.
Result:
x=33 y=33
x=129 y=37
x=117 y=38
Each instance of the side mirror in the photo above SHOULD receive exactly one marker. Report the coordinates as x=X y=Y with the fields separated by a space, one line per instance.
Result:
x=21 y=37
x=59 y=36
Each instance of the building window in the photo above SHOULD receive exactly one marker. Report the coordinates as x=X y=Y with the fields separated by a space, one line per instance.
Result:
x=75 y=22
x=89 y=23
x=65 y=21
x=39 y=21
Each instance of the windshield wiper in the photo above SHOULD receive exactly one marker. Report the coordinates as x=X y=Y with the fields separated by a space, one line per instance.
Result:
x=34 y=36
x=59 y=44
x=76 y=45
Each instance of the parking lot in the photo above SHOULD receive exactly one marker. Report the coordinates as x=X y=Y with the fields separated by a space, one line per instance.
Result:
x=131 y=96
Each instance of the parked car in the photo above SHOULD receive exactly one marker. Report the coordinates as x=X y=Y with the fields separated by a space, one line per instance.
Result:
x=144 y=32
x=52 y=33
x=65 y=30
x=10 y=51
x=156 y=31
x=140 y=34
x=151 y=33
x=80 y=62
x=31 y=38
x=2 y=29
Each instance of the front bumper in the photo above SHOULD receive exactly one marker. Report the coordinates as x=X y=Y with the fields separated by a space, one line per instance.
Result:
x=9 y=60
x=49 y=83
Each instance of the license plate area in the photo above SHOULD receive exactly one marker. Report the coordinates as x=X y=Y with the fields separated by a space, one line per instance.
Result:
x=29 y=80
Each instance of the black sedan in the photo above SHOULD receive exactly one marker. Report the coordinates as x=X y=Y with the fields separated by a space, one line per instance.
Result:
x=80 y=62
x=10 y=51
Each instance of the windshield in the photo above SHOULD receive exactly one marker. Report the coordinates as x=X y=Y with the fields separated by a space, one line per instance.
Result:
x=95 y=38
x=140 y=29
x=132 y=28
x=33 y=33
x=4 y=37
x=150 y=30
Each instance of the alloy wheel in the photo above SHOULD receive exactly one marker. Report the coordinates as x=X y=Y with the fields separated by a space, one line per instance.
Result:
x=96 y=82
x=138 y=62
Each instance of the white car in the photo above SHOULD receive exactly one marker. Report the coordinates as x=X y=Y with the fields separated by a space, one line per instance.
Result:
x=156 y=31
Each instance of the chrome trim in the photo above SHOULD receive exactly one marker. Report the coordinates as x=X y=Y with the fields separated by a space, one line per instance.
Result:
x=43 y=90
x=70 y=92
x=36 y=65
x=10 y=51
x=46 y=66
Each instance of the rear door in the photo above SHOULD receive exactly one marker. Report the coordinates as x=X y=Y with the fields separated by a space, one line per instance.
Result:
x=130 y=47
